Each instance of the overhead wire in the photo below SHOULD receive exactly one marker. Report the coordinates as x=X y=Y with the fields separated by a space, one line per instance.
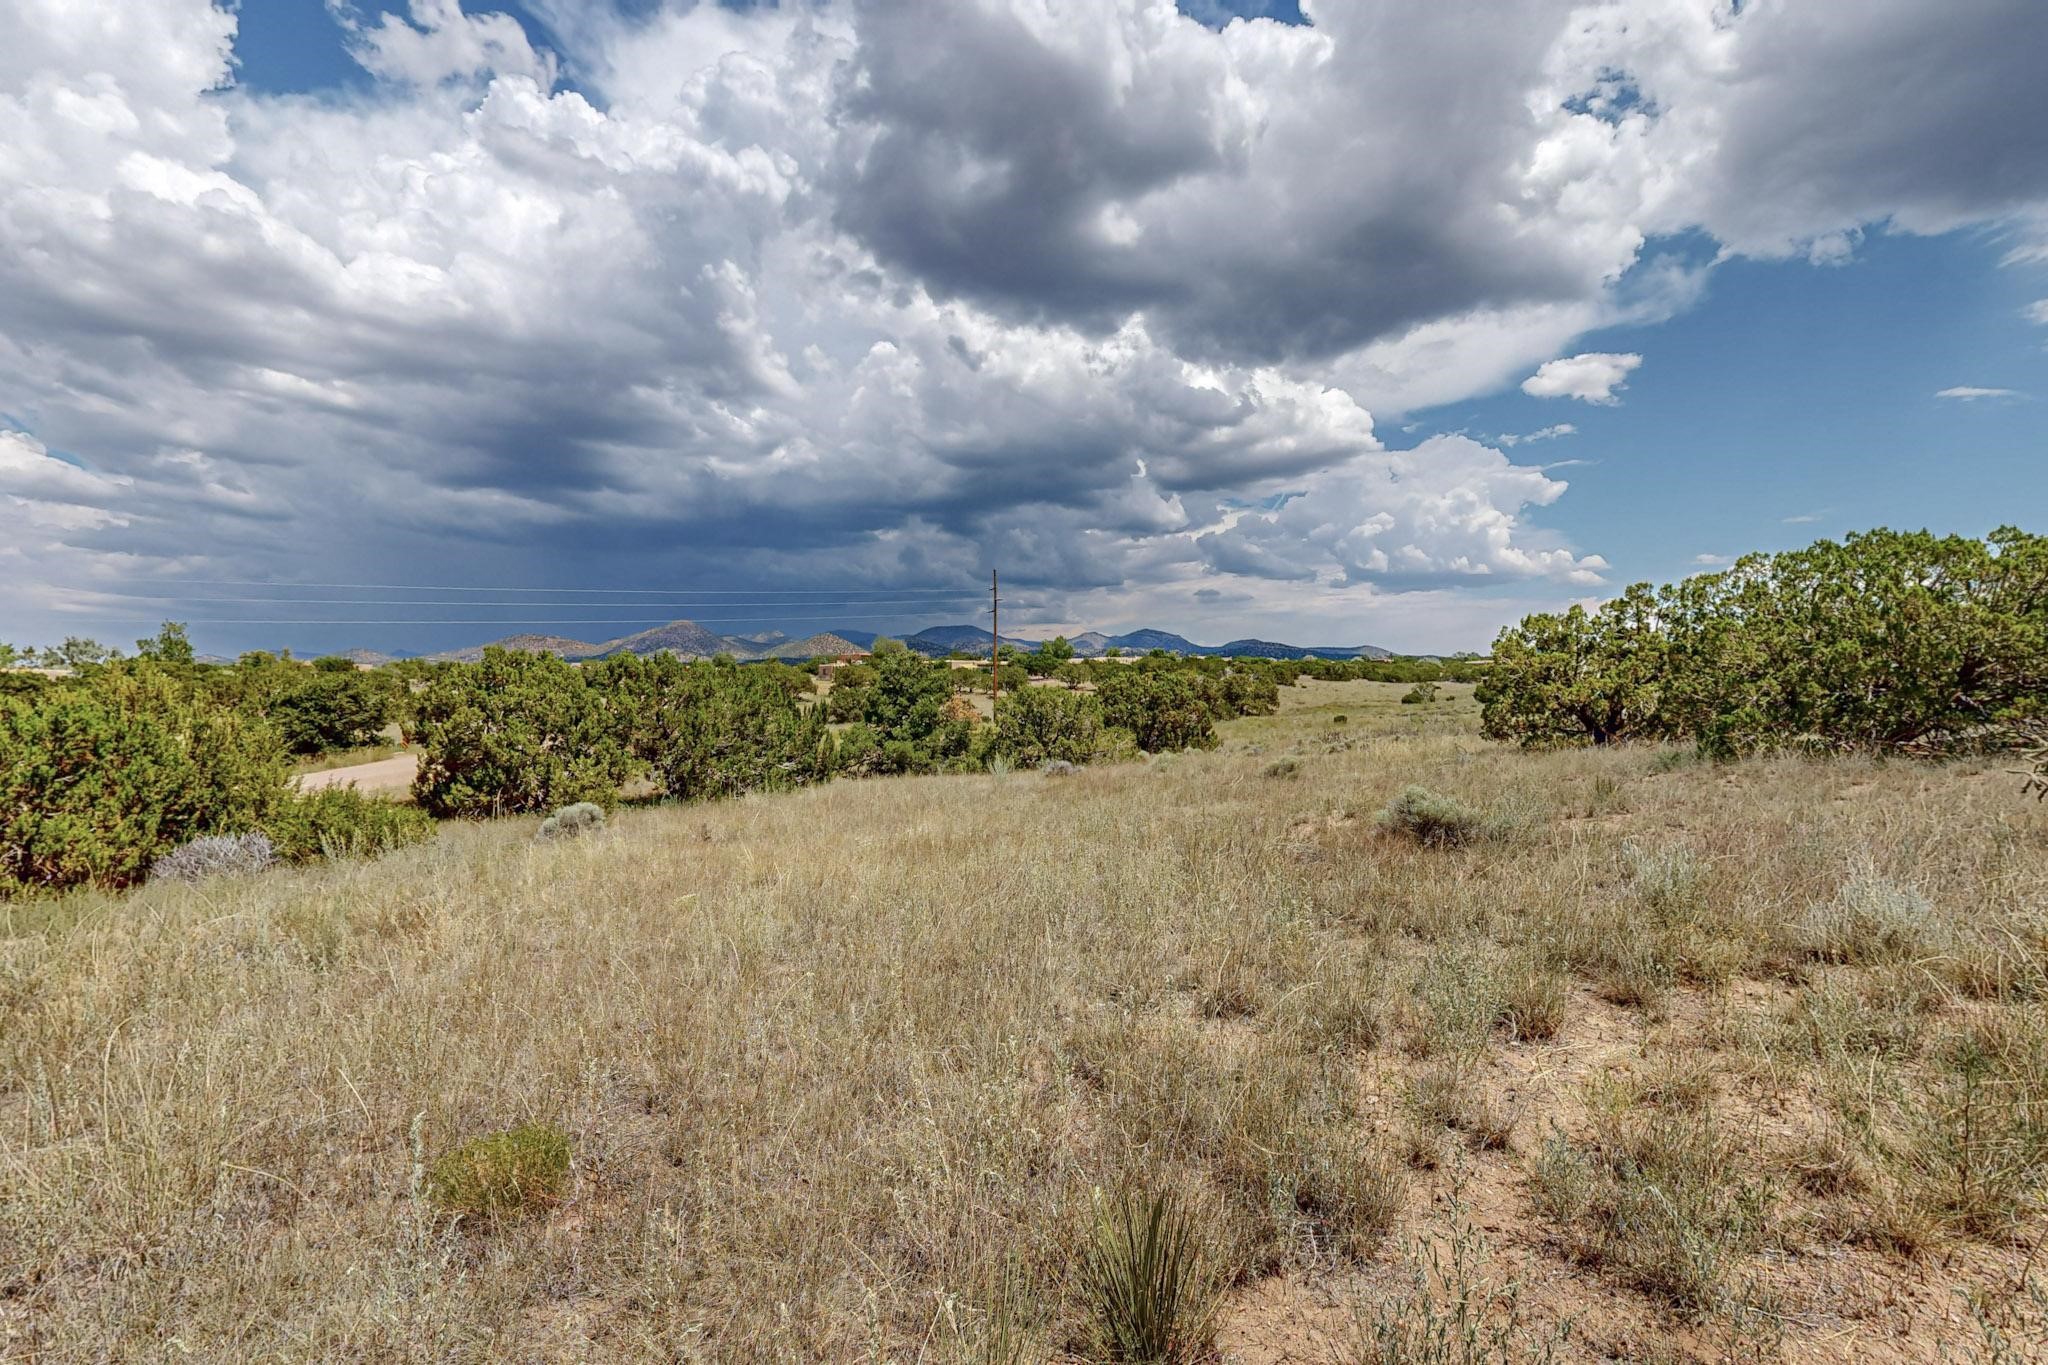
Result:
x=622 y=592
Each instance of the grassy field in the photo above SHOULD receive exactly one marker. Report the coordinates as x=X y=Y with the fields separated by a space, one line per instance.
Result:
x=1665 y=1062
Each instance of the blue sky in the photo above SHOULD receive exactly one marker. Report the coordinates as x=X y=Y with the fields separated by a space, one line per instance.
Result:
x=1237 y=329
x=1794 y=391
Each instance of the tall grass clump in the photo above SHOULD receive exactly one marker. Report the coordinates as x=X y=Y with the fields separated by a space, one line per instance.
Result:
x=1149 y=1282
x=1657 y=1201
x=1973 y=1157
x=518 y=1171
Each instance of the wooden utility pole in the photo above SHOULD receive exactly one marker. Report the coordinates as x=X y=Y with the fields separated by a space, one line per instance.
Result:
x=995 y=641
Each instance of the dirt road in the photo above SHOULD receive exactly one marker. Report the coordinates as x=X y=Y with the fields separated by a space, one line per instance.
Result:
x=392 y=774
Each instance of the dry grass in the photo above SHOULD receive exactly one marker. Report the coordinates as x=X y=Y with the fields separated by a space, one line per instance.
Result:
x=1751 y=1055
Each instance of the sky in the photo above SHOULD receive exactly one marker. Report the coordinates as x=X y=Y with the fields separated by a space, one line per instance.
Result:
x=412 y=324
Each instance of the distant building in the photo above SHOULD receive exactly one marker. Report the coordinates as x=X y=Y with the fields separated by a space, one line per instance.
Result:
x=832 y=666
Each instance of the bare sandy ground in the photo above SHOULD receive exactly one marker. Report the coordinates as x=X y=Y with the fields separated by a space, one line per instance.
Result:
x=392 y=774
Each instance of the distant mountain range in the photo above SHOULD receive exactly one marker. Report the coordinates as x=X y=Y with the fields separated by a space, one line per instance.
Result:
x=1092 y=644
x=688 y=640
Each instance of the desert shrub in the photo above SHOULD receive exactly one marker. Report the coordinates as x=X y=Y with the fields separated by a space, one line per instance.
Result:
x=1164 y=711
x=1283 y=767
x=907 y=700
x=517 y=1171
x=1421 y=693
x=1042 y=724
x=1431 y=819
x=848 y=699
x=340 y=822
x=102 y=775
x=1871 y=919
x=331 y=710
x=584 y=817
x=516 y=732
x=1149 y=1282
x=214 y=855
x=1058 y=767
x=1247 y=692
x=1340 y=720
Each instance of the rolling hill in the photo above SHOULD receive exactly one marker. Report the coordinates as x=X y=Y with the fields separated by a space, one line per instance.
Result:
x=684 y=638
x=689 y=640
x=528 y=644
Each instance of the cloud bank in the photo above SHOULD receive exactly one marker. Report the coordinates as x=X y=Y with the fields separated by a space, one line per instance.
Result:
x=884 y=293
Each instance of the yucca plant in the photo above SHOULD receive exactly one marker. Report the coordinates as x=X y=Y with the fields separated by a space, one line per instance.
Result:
x=1151 y=1286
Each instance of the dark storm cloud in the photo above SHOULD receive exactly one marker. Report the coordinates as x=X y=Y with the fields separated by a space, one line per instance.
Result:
x=887 y=292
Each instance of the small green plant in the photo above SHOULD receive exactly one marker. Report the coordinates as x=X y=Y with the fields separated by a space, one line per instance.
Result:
x=1149 y=1283
x=517 y=1171
x=584 y=817
x=1420 y=694
x=1340 y=720
x=1675 y=760
x=1431 y=819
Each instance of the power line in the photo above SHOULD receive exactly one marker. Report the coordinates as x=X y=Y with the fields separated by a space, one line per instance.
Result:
x=418 y=602
x=623 y=592
x=488 y=621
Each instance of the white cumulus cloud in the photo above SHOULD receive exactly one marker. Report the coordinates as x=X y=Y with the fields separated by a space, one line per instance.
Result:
x=1591 y=378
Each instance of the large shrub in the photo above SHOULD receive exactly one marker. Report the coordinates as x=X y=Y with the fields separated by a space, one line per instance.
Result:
x=1040 y=724
x=516 y=732
x=1163 y=710
x=907 y=701
x=714 y=729
x=1889 y=641
x=331 y=710
x=1580 y=677
x=101 y=776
